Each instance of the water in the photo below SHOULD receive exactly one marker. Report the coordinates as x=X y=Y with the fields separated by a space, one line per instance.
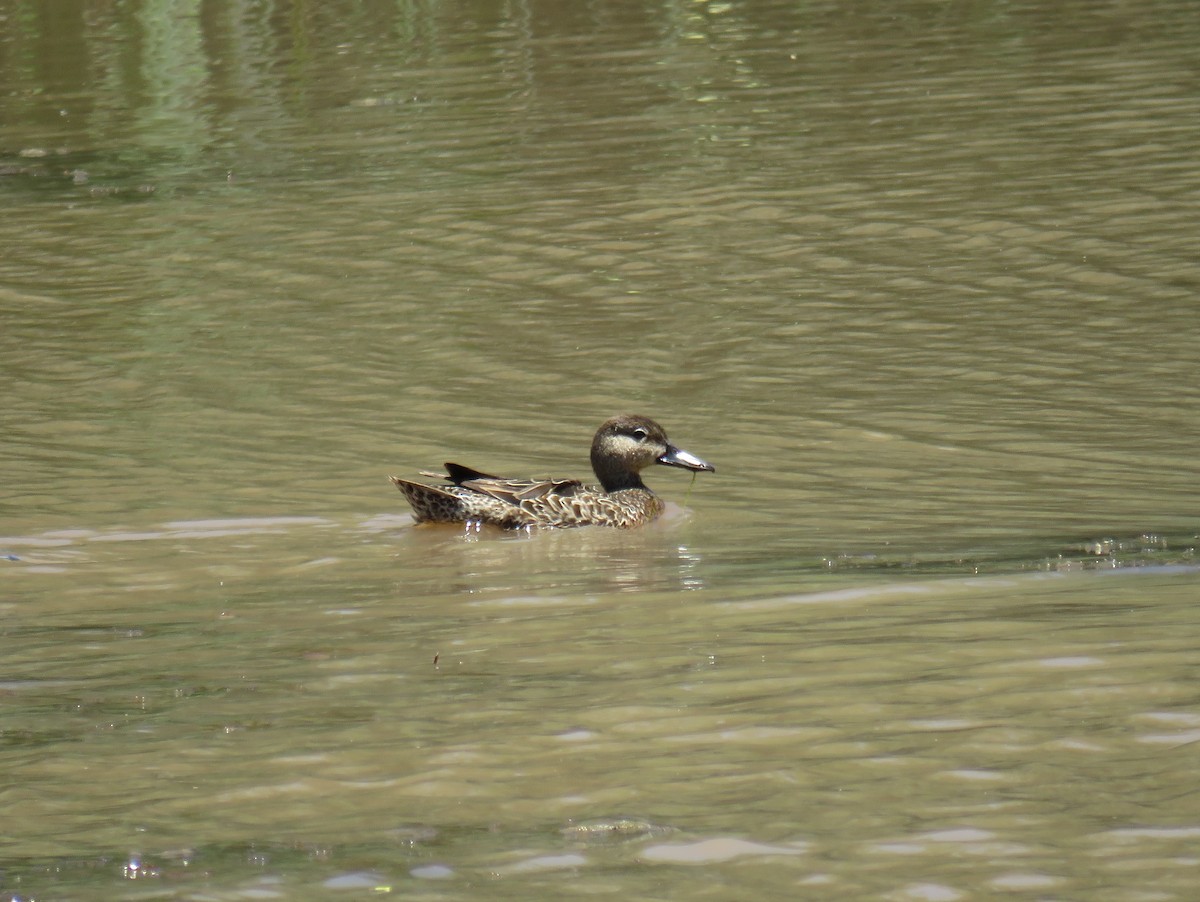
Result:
x=919 y=281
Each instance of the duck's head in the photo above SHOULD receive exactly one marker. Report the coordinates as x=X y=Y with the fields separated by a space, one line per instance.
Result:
x=626 y=445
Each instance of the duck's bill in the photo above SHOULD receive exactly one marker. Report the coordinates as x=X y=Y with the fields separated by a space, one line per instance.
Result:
x=677 y=457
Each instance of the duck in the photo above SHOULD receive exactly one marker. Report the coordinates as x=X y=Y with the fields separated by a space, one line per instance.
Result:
x=622 y=447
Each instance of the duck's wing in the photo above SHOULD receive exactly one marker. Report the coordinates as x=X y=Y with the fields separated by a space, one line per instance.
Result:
x=522 y=491
x=512 y=491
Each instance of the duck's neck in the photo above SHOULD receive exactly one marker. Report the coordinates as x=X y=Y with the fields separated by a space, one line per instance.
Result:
x=614 y=477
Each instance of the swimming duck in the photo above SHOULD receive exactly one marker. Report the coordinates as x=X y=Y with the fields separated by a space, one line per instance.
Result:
x=622 y=448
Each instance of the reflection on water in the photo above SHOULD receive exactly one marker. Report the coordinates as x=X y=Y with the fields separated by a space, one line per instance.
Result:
x=921 y=279
x=549 y=566
x=587 y=560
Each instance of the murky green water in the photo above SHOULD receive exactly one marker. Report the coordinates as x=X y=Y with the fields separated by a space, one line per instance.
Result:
x=919 y=279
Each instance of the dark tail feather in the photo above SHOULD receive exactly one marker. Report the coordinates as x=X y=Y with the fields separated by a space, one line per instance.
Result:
x=460 y=474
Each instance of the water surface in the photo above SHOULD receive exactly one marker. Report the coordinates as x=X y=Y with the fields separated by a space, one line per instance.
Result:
x=919 y=280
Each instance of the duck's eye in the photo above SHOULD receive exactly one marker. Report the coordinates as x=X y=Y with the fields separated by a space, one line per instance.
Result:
x=640 y=434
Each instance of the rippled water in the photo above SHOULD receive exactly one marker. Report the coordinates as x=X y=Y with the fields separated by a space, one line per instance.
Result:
x=918 y=280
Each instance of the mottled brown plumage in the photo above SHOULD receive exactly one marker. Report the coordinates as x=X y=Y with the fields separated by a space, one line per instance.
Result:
x=622 y=448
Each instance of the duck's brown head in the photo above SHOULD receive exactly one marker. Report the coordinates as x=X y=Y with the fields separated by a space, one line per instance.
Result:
x=627 y=444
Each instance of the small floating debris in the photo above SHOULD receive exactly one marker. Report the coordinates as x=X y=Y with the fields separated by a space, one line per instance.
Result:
x=615 y=828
